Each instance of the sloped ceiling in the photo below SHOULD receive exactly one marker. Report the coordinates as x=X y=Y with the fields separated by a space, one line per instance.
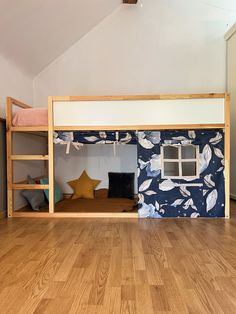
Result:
x=227 y=7
x=223 y=4
x=35 y=32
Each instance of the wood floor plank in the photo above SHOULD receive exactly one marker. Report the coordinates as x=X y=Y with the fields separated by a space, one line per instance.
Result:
x=112 y=300
x=117 y=266
x=97 y=292
x=143 y=299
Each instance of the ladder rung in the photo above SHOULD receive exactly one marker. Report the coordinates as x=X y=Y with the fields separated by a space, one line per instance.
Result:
x=29 y=157
x=30 y=186
x=29 y=128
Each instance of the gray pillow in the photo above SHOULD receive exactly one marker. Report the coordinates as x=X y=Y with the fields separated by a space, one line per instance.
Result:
x=35 y=198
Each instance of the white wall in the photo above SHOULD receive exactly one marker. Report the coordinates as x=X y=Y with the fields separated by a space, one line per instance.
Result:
x=34 y=33
x=13 y=83
x=165 y=46
x=231 y=88
x=97 y=160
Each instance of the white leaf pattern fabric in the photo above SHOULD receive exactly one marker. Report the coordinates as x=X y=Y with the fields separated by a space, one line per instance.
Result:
x=146 y=143
x=91 y=138
x=195 y=215
x=205 y=158
x=177 y=202
x=150 y=192
x=145 y=185
x=167 y=185
x=140 y=198
x=192 y=134
x=218 y=152
x=179 y=138
x=199 y=197
x=184 y=191
x=215 y=140
x=211 y=200
x=208 y=181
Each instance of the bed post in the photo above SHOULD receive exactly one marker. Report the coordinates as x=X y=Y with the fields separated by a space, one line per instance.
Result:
x=227 y=156
x=50 y=155
x=10 y=199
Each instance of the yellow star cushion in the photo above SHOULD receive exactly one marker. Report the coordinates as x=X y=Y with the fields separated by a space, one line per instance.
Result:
x=84 y=186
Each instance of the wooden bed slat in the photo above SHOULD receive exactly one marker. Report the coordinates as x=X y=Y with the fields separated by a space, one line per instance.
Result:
x=18 y=103
x=16 y=186
x=140 y=97
x=29 y=128
x=29 y=157
x=74 y=215
x=138 y=127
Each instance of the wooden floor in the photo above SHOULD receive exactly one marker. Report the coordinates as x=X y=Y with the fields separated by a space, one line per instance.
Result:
x=118 y=266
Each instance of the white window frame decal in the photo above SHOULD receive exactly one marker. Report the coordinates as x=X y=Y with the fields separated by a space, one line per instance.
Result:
x=180 y=161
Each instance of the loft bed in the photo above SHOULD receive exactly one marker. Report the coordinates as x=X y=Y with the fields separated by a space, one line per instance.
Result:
x=118 y=113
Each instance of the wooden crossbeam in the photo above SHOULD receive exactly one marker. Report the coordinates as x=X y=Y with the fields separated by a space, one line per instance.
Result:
x=29 y=128
x=29 y=157
x=30 y=186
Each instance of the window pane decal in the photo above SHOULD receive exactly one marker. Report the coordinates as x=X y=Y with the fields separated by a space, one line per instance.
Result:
x=189 y=169
x=171 y=169
x=188 y=152
x=171 y=152
x=179 y=161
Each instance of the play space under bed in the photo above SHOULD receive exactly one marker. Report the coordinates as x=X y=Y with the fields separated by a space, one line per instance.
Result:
x=101 y=202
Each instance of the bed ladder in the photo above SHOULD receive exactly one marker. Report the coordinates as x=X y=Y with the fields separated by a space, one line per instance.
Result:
x=36 y=130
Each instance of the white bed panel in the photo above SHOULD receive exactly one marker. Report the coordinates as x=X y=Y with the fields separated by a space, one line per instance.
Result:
x=139 y=112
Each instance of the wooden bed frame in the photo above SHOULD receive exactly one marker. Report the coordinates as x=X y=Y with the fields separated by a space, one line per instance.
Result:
x=48 y=130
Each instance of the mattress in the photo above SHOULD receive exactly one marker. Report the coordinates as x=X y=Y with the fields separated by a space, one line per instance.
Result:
x=96 y=205
x=100 y=204
x=31 y=117
x=105 y=205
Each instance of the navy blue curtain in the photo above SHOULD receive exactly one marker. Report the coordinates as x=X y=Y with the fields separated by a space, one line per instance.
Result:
x=161 y=197
x=102 y=137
